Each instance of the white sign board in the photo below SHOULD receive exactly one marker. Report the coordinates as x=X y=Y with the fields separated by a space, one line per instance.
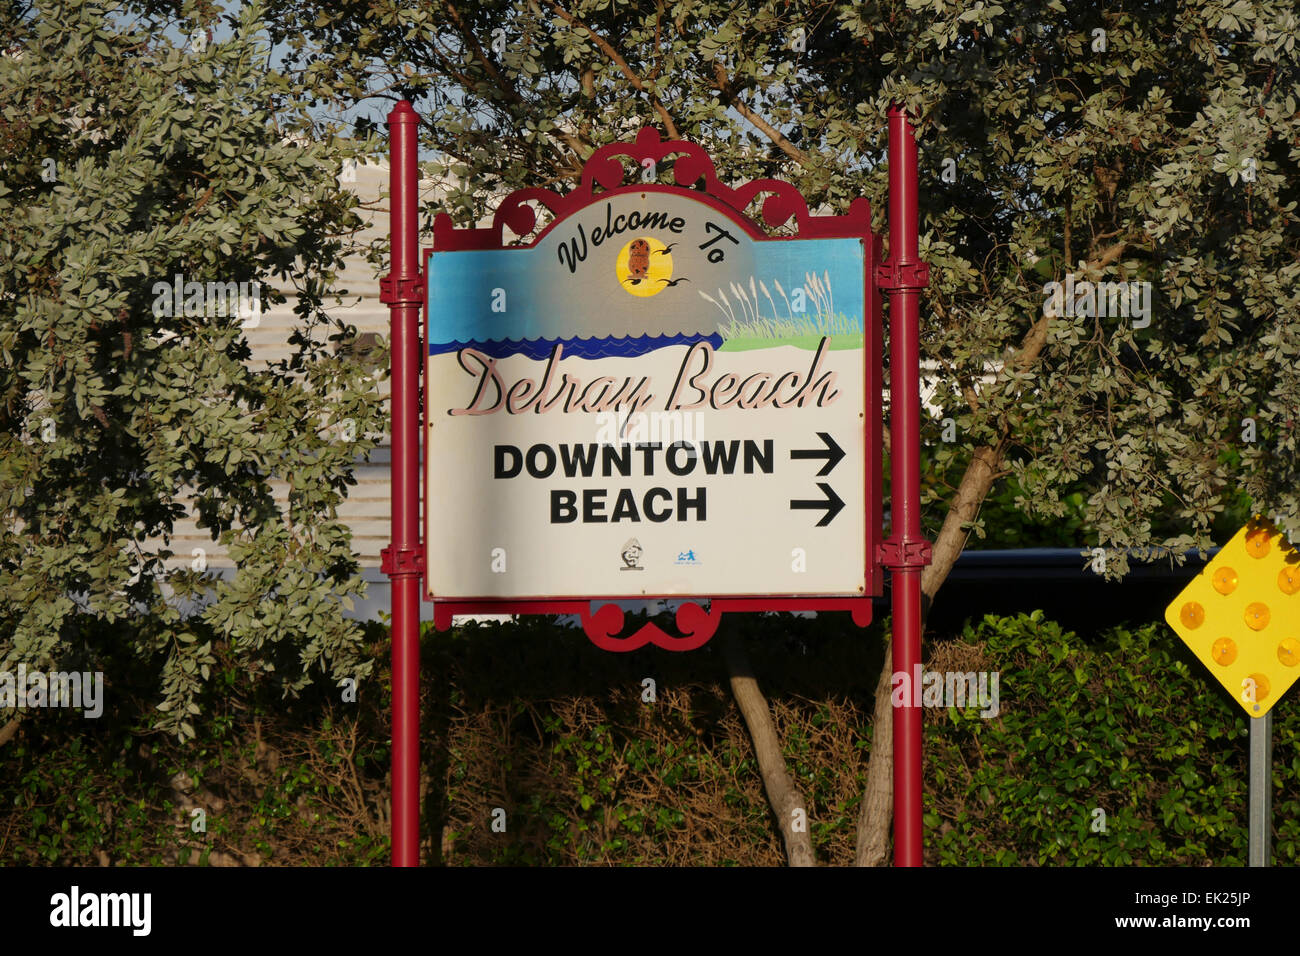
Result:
x=652 y=400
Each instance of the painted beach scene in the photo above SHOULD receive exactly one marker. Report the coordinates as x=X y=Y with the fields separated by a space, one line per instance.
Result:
x=640 y=272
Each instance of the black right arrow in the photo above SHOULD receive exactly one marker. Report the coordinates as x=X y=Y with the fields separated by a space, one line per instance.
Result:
x=832 y=453
x=832 y=504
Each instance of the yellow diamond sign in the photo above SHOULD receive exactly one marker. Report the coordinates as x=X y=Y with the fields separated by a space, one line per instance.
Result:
x=1241 y=616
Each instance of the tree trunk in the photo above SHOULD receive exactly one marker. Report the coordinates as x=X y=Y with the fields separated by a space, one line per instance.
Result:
x=984 y=468
x=878 y=795
x=875 y=817
x=787 y=802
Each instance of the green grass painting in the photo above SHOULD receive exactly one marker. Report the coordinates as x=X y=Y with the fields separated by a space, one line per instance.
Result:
x=806 y=321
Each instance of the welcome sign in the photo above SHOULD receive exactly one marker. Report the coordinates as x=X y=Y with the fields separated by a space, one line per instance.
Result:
x=653 y=399
x=651 y=395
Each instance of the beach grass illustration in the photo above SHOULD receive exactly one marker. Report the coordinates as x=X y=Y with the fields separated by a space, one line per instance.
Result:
x=755 y=321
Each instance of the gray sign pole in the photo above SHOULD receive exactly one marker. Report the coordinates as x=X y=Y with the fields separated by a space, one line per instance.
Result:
x=1260 y=774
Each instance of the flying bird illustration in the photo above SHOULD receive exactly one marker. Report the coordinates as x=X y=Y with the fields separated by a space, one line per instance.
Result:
x=674 y=281
x=666 y=249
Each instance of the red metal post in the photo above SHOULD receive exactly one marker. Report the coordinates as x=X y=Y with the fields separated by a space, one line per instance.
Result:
x=906 y=553
x=403 y=292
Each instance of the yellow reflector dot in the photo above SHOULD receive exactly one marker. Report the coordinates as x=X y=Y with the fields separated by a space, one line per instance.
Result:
x=1225 y=651
x=1288 y=651
x=1257 y=543
x=1288 y=579
x=1254 y=689
x=1192 y=614
x=1225 y=580
x=1257 y=616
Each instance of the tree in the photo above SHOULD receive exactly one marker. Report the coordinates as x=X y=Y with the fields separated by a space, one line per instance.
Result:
x=1147 y=144
x=151 y=187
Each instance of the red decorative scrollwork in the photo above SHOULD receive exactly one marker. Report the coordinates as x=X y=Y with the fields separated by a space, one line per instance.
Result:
x=692 y=169
x=695 y=624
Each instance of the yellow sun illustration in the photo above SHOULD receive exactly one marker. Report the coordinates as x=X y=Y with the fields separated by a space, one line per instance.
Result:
x=644 y=266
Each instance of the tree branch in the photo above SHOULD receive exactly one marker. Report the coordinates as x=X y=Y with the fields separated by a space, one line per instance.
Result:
x=984 y=468
x=878 y=794
x=489 y=67
x=1110 y=254
x=637 y=83
x=579 y=148
x=782 y=793
x=723 y=86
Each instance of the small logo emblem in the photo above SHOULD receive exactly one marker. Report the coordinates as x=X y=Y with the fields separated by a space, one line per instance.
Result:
x=644 y=267
x=631 y=555
x=687 y=557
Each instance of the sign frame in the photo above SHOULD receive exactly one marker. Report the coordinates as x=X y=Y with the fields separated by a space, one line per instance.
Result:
x=604 y=176
x=905 y=552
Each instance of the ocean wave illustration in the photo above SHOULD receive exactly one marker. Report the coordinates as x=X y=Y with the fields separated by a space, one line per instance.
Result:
x=576 y=346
